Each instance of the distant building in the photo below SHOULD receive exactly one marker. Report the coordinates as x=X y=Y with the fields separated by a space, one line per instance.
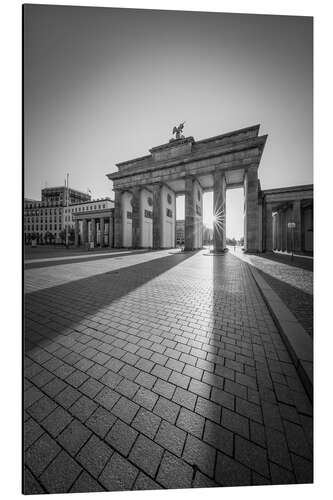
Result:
x=85 y=207
x=45 y=220
x=286 y=222
x=207 y=236
x=207 y=233
x=92 y=222
x=59 y=195
x=180 y=232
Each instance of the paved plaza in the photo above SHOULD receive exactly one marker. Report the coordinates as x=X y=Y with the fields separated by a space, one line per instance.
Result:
x=291 y=280
x=158 y=369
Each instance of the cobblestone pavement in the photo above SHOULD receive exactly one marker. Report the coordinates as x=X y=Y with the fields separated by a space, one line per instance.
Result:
x=158 y=371
x=293 y=284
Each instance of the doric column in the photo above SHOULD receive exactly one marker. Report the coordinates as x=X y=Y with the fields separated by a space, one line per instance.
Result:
x=101 y=232
x=269 y=227
x=118 y=229
x=157 y=216
x=189 y=214
x=261 y=226
x=284 y=231
x=136 y=226
x=275 y=231
x=251 y=209
x=93 y=230
x=297 y=218
x=76 y=232
x=288 y=231
x=110 y=232
x=219 y=196
x=278 y=230
x=84 y=230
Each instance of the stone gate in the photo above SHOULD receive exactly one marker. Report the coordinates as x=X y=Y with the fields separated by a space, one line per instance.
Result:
x=146 y=189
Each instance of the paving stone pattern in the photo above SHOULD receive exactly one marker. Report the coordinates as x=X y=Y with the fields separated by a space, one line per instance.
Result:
x=164 y=372
x=292 y=282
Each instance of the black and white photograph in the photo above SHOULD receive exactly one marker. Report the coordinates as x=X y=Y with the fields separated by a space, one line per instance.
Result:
x=168 y=249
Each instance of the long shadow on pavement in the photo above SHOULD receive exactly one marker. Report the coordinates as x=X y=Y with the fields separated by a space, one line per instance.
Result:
x=298 y=301
x=49 y=312
x=298 y=261
x=73 y=259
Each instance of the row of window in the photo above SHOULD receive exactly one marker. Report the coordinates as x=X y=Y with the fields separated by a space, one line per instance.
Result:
x=82 y=209
x=36 y=227
x=41 y=219
x=42 y=211
x=41 y=205
x=56 y=210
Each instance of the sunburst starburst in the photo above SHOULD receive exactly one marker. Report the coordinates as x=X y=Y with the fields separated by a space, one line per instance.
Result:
x=219 y=220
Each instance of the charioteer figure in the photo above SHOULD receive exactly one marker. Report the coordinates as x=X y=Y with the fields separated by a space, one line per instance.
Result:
x=178 y=131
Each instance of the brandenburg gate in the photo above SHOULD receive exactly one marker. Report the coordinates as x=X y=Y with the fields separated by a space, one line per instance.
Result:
x=146 y=189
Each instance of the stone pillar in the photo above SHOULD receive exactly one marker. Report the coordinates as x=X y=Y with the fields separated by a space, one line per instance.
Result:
x=193 y=214
x=219 y=195
x=157 y=215
x=275 y=231
x=283 y=231
x=269 y=227
x=101 y=232
x=288 y=230
x=297 y=218
x=85 y=231
x=251 y=209
x=118 y=216
x=136 y=226
x=93 y=230
x=189 y=214
x=261 y=227
x=110 y=232
x=278 y=230
x=76 y=232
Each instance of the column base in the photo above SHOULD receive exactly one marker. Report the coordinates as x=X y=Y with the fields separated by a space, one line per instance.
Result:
x=218 y=252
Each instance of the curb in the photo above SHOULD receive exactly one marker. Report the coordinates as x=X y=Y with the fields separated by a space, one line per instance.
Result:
x=297 y=340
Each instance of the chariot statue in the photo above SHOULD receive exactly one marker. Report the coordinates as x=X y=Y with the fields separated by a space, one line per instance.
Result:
x=178 y=131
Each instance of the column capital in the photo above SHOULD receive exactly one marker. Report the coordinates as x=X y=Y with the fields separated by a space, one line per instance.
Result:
x=156 y=186
x=135 y=189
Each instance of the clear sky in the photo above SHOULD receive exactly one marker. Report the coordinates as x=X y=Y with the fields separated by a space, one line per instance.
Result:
x=105 y=85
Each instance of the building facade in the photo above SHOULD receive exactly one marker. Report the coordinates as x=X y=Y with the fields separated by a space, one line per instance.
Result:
x=45 y=221
x=92 y=222
x=287 y=219
x=180 y=232
x=143 y=213
x=187 y=167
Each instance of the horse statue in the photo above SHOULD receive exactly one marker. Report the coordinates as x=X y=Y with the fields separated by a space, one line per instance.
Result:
x=178 y=131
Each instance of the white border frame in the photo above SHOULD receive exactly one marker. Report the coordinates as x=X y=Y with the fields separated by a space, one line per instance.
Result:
x=11 y=40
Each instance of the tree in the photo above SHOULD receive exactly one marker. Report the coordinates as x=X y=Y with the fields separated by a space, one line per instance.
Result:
x=47 y=237
x=71 y=235
x=62 y=236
